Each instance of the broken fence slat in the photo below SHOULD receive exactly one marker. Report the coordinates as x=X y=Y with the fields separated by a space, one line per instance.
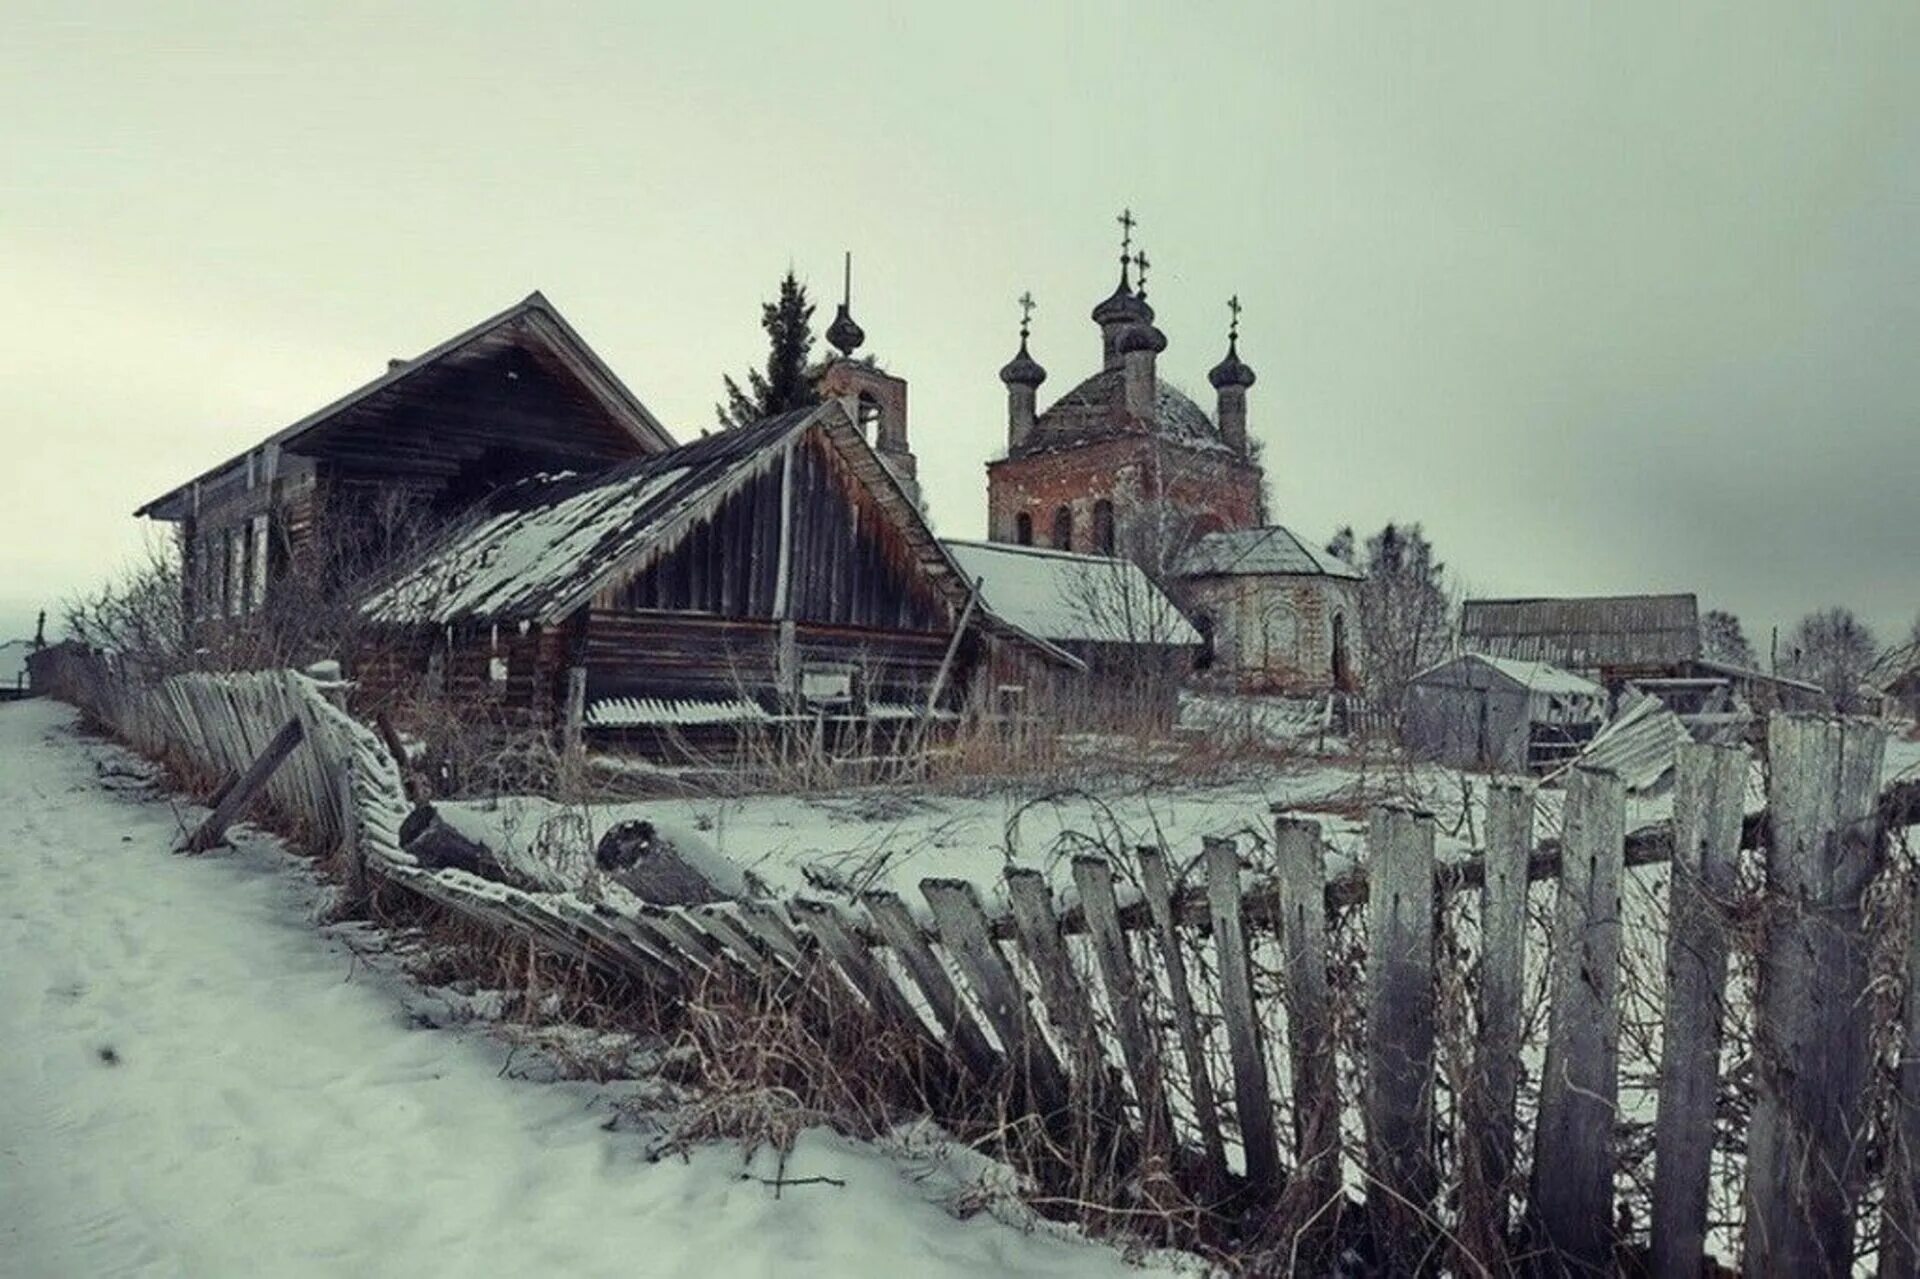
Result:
x=1806 y=1143
x=896 y=924
x=1301 y=880
x=1156 y=885
x=1093 y=877
x=1492 y=1104
x=1571 y=1193
x=1252 y=1095
x=1709 y=789
x=969 y=941
x=1398 y=1103
x=235 y=801
x=1065 y=999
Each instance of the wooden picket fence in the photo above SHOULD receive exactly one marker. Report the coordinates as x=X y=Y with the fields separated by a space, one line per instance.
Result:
x=1201 y=1011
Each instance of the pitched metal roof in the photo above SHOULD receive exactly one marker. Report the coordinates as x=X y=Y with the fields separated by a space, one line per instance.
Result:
x=1070 y=598
x=1270 y=549
x=533 y=315
x=1533 y=677
x=1585 y=633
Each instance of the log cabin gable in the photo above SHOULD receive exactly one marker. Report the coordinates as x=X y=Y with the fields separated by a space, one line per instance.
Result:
x=804 y=538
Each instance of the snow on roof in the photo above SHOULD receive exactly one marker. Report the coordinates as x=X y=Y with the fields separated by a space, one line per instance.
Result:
x=1259 y=551
x=13 y=662
x=548 y=540
x=1065 y=597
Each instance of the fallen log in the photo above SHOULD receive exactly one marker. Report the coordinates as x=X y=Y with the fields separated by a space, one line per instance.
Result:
x=433 y=842
x=658 y=868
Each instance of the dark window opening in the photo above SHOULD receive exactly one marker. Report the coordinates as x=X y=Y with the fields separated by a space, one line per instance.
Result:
x=1023 y=529
x=1063 y=529
x=1342 y=677
x=1204 y=657
x=1103 y=526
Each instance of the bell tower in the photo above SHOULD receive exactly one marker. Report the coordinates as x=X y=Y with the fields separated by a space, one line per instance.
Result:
x=874 y=398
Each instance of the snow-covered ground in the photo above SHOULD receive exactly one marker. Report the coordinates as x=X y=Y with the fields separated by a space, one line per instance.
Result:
x=196 y=1080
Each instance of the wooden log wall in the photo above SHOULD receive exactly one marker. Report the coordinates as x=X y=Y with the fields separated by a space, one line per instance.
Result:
x=1092 y=1020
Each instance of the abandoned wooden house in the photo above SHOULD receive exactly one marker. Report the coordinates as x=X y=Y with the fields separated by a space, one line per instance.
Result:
x=688 y=605
x=339 y=492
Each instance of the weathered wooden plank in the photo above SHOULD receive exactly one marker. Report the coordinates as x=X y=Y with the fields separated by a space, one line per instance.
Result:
x=968 y=940
x=869 y=980
x=1093 y=877
x=1491 y=1112
x=1398 y=1102
x=211 y=831
x=1806 y=1147
x=1252 y=1095
x=1156 y=887
x=1061 y=993
x=896 y=924
x=1571 y=1192
x=1709 y=789
x=1300 y=872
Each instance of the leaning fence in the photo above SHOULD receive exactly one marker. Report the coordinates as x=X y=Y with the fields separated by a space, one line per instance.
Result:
x=1312 y=1046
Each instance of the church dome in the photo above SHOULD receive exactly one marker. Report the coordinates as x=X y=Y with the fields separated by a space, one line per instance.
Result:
x=844 y=333
x=1122 y=307
x=1090 y=412
x=1231 y=371
x=1023 y=369
x=1143 y=337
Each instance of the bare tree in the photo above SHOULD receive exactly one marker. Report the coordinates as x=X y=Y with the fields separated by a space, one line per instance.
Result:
x=1406 y=610
x=1722 y=639
x=1834 y=649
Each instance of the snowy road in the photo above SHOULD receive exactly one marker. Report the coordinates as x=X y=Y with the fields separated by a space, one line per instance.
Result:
x=195 y=1081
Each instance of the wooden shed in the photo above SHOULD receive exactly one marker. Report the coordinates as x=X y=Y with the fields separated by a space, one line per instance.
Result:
x=754 y=581
x=1610 y=638
x=1475 y=711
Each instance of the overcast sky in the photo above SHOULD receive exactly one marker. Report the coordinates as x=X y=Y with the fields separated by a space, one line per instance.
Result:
x=1611 y=297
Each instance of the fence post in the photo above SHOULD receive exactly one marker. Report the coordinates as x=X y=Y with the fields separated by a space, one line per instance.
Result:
x=1252 y=1100
x=1571 y=1195
x=1400 y=1029
x=1710 y=784
x=1900 y=1216
x=1094 y=878
x=1805 y=1152
x=1301 y=882
x=1490 y=1112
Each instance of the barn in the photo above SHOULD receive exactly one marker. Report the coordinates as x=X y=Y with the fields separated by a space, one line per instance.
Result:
x=1612 y=638
x=695 y=602
x=1475 y=711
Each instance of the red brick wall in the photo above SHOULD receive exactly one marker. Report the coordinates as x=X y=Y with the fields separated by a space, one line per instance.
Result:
x=1212 y=491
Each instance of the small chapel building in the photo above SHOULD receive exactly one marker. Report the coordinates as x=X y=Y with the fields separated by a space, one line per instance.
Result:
x=1127 y=464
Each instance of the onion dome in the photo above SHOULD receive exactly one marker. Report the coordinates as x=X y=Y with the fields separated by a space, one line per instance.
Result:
x=1143 y=337
x=843 y=333
x=1122 y=307
x=1023 y=369
x=1231 y=371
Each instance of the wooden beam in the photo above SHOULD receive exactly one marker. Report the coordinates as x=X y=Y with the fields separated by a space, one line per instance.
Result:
x=235 y=801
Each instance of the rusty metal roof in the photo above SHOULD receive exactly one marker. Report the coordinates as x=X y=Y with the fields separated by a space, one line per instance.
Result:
x=1586 y=633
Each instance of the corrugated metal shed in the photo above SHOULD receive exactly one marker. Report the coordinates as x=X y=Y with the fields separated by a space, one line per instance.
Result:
x=1583 y=634
x=1270 y=549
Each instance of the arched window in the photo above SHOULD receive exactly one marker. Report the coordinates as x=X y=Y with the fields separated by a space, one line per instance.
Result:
x=1023 y=529
x=867 y=407
x=1063 y=529
x=1103 y=526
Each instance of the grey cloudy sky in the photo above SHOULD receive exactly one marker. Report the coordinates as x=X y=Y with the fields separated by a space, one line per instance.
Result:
x=1613 y=297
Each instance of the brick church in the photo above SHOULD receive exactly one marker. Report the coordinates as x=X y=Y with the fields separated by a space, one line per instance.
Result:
x=1127 y=464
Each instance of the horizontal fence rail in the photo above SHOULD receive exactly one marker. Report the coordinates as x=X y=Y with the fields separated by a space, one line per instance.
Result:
x=1282 y=1047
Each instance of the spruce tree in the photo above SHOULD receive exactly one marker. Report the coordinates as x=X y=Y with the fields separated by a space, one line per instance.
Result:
x=785 y=385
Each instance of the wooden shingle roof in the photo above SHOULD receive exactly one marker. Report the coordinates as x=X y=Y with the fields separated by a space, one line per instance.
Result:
x=1585 y=633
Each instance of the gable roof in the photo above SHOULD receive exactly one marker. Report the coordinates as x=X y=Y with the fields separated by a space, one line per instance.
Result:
x=533 y=319
x=1069 y=598
x=1269 y=549
x=1583 y=633
x=545 y=547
